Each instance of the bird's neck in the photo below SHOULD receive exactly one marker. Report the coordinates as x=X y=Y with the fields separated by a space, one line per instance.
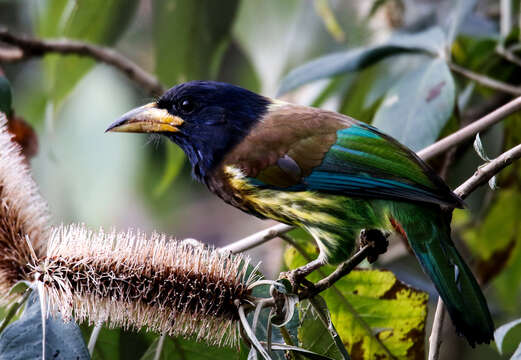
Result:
x=202 y=161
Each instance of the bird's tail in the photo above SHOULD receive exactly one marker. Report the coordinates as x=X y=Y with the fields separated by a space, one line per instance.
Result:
x=427 y=229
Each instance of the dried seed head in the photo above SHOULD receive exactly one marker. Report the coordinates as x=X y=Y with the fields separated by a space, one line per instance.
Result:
x=130 y=280
x=23 y=213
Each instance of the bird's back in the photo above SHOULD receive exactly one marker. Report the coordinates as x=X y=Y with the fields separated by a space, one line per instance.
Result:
x=296 y=148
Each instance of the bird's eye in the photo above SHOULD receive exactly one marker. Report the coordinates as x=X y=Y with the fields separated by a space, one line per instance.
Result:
x=186 y=105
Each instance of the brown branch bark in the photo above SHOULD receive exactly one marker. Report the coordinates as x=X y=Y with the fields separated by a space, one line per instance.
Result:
x=485 y=80
x=24 y=47
x=342 y=270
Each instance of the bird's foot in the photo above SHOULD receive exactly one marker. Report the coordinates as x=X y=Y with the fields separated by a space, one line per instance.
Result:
x=298 y=276
x=377 y=240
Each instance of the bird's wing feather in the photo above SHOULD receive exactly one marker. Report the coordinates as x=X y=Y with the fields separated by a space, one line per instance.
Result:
x=299 y=148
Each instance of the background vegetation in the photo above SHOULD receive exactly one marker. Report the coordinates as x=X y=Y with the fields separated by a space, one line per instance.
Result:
x=371 y=60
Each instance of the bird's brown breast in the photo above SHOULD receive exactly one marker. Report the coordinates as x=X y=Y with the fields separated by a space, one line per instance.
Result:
x=279 y=151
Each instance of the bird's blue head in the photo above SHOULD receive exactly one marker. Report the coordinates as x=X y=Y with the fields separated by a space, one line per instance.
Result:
x=205 y=118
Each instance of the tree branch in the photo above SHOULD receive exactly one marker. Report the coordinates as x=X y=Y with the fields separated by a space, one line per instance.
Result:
x=509 y=55
x=469 y=131
x=485 y=80
x=342 y=270
x=257 y=239
x=485 y=172
x=27 y=47
x=437 y=328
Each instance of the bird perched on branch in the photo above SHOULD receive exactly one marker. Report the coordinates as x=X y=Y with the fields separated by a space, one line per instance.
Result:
x=323 y=171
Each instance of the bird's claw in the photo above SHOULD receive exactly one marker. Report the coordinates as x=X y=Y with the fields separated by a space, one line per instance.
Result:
x=377 y=240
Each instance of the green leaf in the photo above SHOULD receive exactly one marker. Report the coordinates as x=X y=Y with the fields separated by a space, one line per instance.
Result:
x=190 y=38
x=6 y=98
x=174 y=163
x=180 y=349
x=356 y=102
x=22 y=339
x=19 y=288
x=417 y=108
x=238 y=69
x=317 y=332
x=374 y=313
x=462 y=9
x=107 y=344
x=95 y=21
x=430 y=41
x=266 y=41
x=328 y=17
x=517 y=354
x=508 y=337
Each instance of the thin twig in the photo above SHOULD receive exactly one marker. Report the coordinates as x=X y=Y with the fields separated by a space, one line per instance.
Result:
x=32 y=47
x=505 y=21
x=94 y=338
x=471 y=130
x=508 y=55
x=160 y=345
x=485 y=80
x=514 y=48
x=257 y=239
x=342 y=270
x=485 y=172
x=437 y=328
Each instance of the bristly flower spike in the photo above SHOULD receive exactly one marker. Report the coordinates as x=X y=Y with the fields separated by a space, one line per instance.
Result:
x=130 y=280
x=23 y=214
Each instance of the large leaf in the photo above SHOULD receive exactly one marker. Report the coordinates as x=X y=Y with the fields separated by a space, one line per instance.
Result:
x=174 y=164
x=417 y=108
x=23 y=338
x=356 y=102
x=431 y=41
x=95 y=21
x=317 y=332
x=269 y=51
x=190 y=38
x=462 y=9
x=238 y=69
x=107 y=344
x=375 y=314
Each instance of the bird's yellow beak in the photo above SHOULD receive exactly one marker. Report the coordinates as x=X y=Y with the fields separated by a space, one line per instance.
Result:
x=147 y=119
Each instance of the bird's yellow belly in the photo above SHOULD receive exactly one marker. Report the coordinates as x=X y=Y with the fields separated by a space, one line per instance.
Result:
x=294 y=207
x=334 y=221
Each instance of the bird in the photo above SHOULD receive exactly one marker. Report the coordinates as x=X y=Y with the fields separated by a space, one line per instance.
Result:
x=320 y=170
